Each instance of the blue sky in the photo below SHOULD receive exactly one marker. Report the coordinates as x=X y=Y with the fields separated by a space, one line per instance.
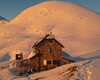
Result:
x=11 y=8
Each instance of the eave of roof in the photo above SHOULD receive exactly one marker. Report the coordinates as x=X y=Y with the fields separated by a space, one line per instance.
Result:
x=69 y=59
x=44 y=37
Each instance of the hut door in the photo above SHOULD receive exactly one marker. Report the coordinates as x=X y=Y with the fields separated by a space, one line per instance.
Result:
x=18 y=56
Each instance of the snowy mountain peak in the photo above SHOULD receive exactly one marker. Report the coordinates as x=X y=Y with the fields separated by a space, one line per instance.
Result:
x=75 y=27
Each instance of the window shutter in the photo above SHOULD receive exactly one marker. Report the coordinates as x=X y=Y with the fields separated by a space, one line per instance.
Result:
x=45 y=62
x=50 y=50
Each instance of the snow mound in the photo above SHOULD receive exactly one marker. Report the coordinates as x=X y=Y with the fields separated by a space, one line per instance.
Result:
x=75 y=27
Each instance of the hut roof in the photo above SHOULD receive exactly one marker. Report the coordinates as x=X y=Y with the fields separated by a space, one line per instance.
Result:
x=47 y=36
x=67 y=56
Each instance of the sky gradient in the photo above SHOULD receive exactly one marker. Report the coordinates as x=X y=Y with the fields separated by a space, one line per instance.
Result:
x=11 y=8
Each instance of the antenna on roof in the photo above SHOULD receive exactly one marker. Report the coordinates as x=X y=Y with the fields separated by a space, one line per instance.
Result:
x=50 y=33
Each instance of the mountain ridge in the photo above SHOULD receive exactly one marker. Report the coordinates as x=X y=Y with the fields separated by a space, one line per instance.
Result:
x=2 y=18
x=3 y=21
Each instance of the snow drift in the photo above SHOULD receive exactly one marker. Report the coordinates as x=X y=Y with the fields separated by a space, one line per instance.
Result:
x=75 y=27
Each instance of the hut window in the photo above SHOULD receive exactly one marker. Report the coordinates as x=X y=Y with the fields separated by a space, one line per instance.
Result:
x=46 y=62
x=50 y=50
x=56 y=62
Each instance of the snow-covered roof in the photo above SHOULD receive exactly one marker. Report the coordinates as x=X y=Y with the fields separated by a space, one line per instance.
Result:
x=67 y=56
x=18 y=52
x=31 y=55
x=51 y=36
x=47 y=36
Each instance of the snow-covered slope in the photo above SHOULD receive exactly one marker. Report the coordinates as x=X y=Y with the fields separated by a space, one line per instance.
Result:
x=75 y=27
x=88 y=69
